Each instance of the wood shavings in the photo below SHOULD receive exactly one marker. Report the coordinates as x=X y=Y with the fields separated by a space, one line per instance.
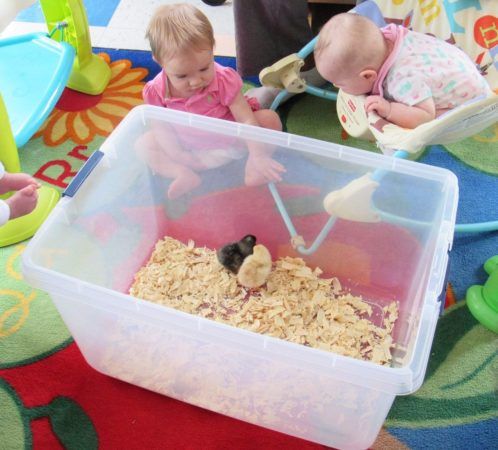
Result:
x=295 y=304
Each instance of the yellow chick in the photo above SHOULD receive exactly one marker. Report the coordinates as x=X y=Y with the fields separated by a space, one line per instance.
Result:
x=256 y=268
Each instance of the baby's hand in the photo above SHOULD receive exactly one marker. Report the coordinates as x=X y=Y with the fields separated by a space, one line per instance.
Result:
x=261 y=169
x=378 y=104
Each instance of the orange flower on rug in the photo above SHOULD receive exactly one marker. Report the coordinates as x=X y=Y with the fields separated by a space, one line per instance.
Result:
x=81 y=117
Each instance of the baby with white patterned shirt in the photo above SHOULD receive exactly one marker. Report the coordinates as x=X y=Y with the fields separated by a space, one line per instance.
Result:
x=412 y=77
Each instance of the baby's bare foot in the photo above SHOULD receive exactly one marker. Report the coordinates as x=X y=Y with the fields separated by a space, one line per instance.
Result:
x=16 y=181
x=183 y=183
x=23 y=201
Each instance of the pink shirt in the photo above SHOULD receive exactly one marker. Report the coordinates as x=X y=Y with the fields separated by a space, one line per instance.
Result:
x=421 y=66
x=212 y=101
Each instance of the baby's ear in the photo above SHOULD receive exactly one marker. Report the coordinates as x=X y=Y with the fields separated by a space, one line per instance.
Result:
x=369 y=74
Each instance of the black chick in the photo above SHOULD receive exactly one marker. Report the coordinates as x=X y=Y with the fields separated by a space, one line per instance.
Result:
x=232 y=255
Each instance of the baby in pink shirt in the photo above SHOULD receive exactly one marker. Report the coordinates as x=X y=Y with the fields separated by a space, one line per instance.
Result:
x=413 y=77
x=182 y=43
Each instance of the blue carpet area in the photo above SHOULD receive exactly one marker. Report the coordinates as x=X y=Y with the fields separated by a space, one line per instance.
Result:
x=456 y=438
x=478 y=202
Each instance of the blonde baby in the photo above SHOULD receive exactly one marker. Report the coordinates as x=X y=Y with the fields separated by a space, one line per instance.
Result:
x=411 y=77
x=182 y=43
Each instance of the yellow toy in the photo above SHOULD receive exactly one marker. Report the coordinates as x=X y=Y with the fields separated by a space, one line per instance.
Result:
x=90 y=73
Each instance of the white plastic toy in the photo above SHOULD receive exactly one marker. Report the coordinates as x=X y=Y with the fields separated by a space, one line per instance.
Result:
x=352 y=115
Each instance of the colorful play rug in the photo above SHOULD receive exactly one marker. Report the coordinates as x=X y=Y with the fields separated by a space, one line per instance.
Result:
x=50 y=398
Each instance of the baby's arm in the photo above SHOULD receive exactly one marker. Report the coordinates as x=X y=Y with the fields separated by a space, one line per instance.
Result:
x=260 y=165
x=242 y=112
x=400 y=114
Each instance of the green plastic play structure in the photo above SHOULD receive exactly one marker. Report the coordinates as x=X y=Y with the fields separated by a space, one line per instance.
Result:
x=483 y=300
x=24 y=227
x=78 y=69
x=90 y=73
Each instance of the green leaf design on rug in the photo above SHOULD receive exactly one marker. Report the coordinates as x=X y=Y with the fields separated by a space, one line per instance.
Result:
x=68 y=420
x=460 y=363
x=15 y=431
x=30 y=326
x=479 y=151
x=71 y=424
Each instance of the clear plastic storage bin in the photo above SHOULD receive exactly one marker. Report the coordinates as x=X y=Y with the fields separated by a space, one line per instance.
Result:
x=87 y=253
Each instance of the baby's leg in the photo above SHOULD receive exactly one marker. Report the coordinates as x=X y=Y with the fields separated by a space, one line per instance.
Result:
x=152 y=145
x=16 y=181
x=184 y=178
x=149 y=151
x=184 y=181
x=261 y=168
x=23 y=201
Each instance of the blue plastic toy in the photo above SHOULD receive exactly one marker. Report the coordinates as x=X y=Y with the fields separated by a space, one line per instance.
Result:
x=32 y=94
x=34 y=70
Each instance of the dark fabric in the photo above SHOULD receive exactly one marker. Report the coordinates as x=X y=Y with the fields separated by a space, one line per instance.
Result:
x=267 y=30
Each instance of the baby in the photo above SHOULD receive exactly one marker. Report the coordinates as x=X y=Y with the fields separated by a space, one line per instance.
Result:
x=23 y=201
x=182 y=42
x=413 y=77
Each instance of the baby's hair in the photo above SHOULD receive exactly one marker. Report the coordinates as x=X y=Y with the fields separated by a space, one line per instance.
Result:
x=178 y=27
x=352 y=42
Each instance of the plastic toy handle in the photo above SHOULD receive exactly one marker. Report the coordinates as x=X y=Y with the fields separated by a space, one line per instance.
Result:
x=83 y=173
